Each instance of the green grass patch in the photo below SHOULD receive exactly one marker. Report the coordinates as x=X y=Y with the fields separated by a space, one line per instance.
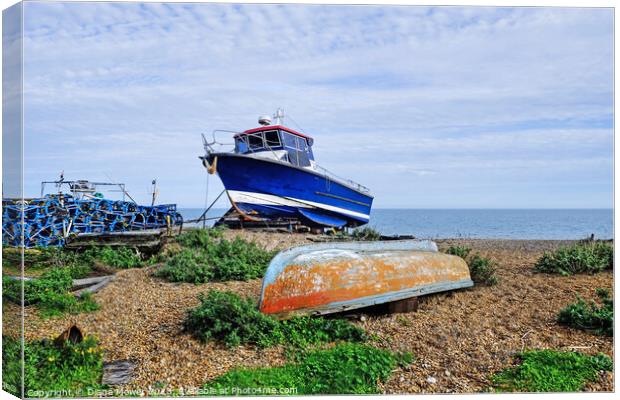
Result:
x=459 y=251
x=206 y=257
x=589 y=257
x=361 y=234
x=226 y=317
x=57 y=280
x=117 y=257
x=481 y=269
x=590 y=316
x=199 y=237
x=39 y=260
x=551 y=371
x=59 y=371
x=304 y=331
x=366 y=234
x=79 y=263
x=233 y=320
x=347 y=368
x=56 y=304
x=50 y=292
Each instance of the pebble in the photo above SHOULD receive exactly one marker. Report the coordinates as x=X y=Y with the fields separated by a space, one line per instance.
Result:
x=432 y=380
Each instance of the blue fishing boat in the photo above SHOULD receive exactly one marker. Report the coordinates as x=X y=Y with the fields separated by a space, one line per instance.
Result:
x=272 y=174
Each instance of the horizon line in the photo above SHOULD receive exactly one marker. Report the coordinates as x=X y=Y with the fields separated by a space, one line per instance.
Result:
x=452 y=208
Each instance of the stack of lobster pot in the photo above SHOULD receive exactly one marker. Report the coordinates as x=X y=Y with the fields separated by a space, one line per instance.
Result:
x=50 y=220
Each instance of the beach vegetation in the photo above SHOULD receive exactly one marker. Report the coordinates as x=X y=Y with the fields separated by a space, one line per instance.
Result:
x=459 y=251
x=80 y=263
x=233 y=320
x=50 y=292
x=366 y=234
x=71 y=369
x=39 y=260
x=583 y=257
x=346 y=368
x=481 y=269
x=199 y=237
x=206 y=256
x=551 y=371
x=122 y=257
x=590 y=316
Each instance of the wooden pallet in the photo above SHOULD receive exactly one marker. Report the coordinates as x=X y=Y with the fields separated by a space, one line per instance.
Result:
x=233 y=220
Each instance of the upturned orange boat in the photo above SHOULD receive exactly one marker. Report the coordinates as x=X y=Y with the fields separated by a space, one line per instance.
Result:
x=333 y=277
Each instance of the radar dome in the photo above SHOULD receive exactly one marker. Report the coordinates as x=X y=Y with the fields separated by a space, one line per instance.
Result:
x=264 y=120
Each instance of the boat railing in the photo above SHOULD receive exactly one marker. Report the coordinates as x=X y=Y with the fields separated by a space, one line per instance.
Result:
x=330 y=175
x=210 y=147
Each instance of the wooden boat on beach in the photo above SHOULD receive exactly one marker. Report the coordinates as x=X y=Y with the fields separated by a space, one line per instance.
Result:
x=333 y=277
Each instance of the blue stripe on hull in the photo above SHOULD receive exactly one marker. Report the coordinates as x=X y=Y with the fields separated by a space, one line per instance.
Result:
x=248 y=174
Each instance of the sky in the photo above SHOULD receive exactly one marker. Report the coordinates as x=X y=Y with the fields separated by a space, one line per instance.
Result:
x=448 y=107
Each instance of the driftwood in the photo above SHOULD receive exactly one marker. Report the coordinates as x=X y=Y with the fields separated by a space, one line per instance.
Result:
x=82 y=283
x=117 y=372
x=21 y=278
x=97 y=286
x=92 y=285
x=148 y=240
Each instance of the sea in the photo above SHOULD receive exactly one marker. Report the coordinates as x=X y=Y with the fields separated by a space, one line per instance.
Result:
x=479 y=223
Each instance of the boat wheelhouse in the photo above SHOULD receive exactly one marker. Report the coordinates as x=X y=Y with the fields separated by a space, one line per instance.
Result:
x=276 y=142
x=272 y=174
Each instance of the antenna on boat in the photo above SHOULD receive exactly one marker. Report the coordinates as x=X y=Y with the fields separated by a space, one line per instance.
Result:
x=279 y=116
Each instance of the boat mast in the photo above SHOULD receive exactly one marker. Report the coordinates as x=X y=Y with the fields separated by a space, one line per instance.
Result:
x=279 y=116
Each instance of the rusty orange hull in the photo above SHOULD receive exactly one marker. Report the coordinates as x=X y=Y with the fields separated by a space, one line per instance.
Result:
x=334 y=277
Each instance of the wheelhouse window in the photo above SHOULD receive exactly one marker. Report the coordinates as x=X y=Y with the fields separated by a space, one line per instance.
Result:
x=255 y=141
x=272 y=139
x=297 y=149
x=289 y=140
